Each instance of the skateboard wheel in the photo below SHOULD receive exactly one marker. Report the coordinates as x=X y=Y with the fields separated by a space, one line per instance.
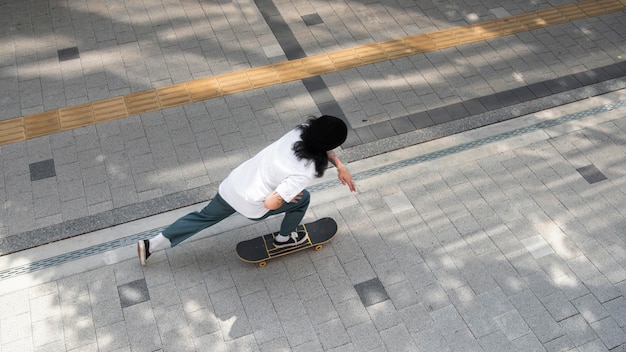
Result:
x=318 y=247
x=262 y=264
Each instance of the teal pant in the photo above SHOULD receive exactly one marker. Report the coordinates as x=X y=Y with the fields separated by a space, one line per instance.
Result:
x=218 y=210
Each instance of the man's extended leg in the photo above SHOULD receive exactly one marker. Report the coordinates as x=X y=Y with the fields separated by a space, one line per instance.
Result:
x=185 y=227
x=192 y=223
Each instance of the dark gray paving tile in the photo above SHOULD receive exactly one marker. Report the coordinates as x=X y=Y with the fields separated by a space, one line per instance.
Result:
x=291 y=47
x=615 y=70
x=280 y=29
x=570 y=82
x=333 y=109
x=267 y=7
x=591 y=174
x=507 y=98
x=42 y=169
x=312 y=19
x=322 y=96
x=133 y=293
x=383 y=130
x=600 y=74
x=440 y=115
x=371 y=292
x=555 y=86
x=421 y=120
x=68 y=54
x=491 y=102
x=474 y=107
x=539 y=89
x=457 y=111
x=523 y=94
x=314 y=83
x=586 y=78
x=402 y=125
x=365 y=134
x=352 y=140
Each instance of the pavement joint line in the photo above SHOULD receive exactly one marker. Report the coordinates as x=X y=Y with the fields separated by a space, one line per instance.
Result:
x=462 y=147
x=67 y=118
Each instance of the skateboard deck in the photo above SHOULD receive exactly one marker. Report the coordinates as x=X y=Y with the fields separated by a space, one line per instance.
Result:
x=261 y=249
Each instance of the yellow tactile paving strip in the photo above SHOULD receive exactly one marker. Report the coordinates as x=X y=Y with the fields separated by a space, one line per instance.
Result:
x=49 y=122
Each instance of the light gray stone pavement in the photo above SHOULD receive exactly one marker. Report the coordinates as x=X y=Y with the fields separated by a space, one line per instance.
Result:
x=91 y=178
x=506 y=237
x=504 y=245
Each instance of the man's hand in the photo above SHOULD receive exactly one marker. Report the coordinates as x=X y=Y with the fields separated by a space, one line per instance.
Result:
x=342 y=171
x=273 y=201
x=346 y=178
x=296 y=198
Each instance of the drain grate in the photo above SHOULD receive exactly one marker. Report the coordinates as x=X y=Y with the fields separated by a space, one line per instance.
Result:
x=77 y=254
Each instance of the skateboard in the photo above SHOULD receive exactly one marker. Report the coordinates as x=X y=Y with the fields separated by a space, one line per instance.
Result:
x=261 y=249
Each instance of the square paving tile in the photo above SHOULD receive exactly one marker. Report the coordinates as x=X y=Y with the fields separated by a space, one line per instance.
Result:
x=491 y=102
x=398 y=202
x=537 y=246
x=457 y=111
x=68 y=54
x=371 y=292
x=440 y=115
x=402 y=124
x=383 y=130
x=500 y=12
x=507 y=98
x=523 y=94
x=273 y=51
x=421 y=120
x=539 y=89
x=314 y=83
x=474 y=106
x=42 y=169
x=616 y=70
x=312 y=19
x=591 y=174
x=133 y=293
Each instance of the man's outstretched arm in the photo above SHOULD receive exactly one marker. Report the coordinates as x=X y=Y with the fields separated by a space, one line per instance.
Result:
x=342 y=171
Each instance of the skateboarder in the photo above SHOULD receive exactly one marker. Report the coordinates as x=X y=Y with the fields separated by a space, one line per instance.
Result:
x=271 y=182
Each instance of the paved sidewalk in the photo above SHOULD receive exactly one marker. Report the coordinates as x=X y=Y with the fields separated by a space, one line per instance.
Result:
x=505 y=238
x=490 y=212
x=63 y=55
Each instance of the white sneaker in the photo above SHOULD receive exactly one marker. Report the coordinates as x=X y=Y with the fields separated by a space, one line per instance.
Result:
x=295 y=239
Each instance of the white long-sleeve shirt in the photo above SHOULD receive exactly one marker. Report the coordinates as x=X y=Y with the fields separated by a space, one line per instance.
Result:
x=275 y=168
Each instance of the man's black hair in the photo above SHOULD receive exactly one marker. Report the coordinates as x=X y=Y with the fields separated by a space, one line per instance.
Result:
x=320 y=158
